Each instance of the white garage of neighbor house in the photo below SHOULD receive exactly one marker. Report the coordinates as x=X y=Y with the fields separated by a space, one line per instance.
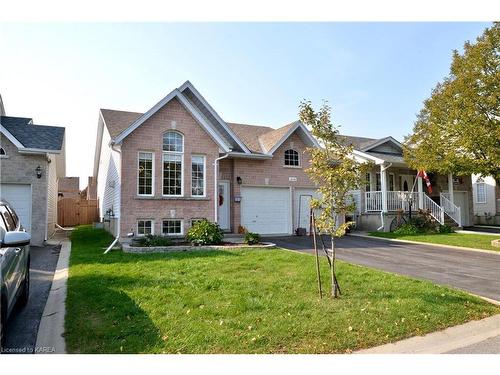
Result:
x=32 y=159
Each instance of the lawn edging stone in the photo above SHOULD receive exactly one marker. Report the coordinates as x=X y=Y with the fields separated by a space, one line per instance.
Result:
x=176 y=248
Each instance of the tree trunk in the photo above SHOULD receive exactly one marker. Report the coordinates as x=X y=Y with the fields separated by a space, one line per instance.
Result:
x=335 y=284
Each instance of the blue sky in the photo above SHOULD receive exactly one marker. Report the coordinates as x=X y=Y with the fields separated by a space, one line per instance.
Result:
x=374 y=75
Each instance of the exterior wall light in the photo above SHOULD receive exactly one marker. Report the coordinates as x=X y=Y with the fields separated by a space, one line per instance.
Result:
x=38 y=171
x=239 y=180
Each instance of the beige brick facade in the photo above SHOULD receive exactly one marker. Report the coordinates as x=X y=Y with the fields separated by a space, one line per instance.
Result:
x=16 y=168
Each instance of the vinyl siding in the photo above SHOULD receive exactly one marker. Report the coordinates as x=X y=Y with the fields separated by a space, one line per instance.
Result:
x=108 y=179
x=51 y=196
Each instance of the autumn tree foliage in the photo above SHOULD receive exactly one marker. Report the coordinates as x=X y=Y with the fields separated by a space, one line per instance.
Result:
x=458 y=129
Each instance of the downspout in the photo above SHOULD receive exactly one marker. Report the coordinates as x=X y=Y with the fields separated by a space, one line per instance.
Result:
x=383 y=169
x=216 y=187
x=119 y=218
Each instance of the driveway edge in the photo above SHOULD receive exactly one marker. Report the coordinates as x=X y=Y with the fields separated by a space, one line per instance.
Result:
x=443 y=341
x=426 y=243
x=50 y=338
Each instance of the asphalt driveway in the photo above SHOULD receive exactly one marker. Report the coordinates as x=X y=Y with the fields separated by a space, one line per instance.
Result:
x=475 y=272
x=22 y=326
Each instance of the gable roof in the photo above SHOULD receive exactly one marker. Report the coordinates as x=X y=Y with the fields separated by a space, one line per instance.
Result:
x=249 y=134
x=367 y=148
x=30 y=136
x=118 y=121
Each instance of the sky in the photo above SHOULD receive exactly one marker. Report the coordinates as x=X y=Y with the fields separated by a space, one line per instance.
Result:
x=374 y=75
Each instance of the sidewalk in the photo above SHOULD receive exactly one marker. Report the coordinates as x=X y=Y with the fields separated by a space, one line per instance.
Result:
x=50 y=338
x=450 y=340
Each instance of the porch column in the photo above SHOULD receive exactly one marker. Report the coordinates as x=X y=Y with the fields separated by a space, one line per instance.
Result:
x=450 y=187
x=383 y=186
x=420 y=187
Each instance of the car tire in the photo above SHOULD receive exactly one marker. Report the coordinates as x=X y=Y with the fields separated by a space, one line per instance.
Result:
x=25 y=293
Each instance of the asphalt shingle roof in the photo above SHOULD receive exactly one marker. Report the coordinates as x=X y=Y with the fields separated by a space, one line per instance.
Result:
x=34 y=136
x=118 y=121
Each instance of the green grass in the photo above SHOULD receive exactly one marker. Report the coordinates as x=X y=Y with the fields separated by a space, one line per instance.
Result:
x=242 y=301
x=476 y=241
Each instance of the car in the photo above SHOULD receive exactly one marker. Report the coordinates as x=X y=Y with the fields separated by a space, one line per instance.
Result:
x=14 y=265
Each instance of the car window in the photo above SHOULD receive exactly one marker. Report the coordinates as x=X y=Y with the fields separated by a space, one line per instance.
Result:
x=9 y=221
x=2 y=225
x=14 y=216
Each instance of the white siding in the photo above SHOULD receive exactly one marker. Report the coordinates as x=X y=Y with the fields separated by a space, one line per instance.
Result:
x=51 y=196
x=489 y=207
x=108 y=178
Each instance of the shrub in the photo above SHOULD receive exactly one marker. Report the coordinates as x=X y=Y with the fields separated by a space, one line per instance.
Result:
x=204 y=232
x=408 y=229
x=445 y=229
x=150 y=240
x=251 y=238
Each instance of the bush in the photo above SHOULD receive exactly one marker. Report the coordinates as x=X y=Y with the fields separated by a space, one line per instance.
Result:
x=204 y=232
x=445 y=229
x=408 y=229
x=251 y=238
x=150 y=240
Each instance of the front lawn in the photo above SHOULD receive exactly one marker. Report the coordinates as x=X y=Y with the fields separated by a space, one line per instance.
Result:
x=242 y=301
x=476 y=241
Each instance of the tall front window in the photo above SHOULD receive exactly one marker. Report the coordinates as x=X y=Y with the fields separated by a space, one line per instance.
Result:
x=198 y=176
x=368 y=182
x=145 y=173
x=173 y=148
x=480 y=192
x=391 y=181
x=378 y=182
x=292 y=158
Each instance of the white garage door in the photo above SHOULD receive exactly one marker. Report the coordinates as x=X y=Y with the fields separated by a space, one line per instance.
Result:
x=302 y=206
x=265 y=210
x=19 y=196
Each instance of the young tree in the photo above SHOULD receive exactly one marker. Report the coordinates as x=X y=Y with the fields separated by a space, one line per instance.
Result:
x=335 y=171
x=458 y=129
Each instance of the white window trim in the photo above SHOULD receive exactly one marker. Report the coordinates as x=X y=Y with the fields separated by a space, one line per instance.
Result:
x=182 y=166
x=370 y=181
x=484 y=193
x=152 y=226
x=173 y=234
x=379 y=175
x=152 y=176
x=204 y=195
x=298 y=156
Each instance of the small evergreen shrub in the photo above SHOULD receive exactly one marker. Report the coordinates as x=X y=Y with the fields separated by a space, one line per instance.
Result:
x=251 y=238
x=204 y=232
x=150 y=240
x=408 y=229
x=445 y=229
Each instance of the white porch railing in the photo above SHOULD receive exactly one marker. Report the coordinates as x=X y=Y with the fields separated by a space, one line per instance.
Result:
x=373 y=200
x=396 y=200
x=451 y=209
x=434 y=209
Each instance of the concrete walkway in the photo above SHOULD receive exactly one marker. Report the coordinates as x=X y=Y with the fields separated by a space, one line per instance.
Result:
x=458 y=339
x=50 y=337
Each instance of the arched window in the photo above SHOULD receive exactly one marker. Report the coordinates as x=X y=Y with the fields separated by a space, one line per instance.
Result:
x=173 y=160
x=2 y=151
x=291 y=158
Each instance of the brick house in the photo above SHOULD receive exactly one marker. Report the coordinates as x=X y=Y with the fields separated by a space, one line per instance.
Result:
x=32 y=159
x=160 y=171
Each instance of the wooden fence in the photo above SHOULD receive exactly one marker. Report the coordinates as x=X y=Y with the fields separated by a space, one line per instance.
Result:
x=71 y=212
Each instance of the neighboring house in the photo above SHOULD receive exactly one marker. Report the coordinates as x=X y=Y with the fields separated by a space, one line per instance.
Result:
x=389 y=183
x=32 y=159
x=68 y=187
x=160 y=171
x=486 y=200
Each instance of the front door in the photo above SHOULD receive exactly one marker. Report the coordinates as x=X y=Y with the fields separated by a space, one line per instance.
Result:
x=407 y=182
x=223 y=202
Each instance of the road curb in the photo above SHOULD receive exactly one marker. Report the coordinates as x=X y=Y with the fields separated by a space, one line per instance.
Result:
x=442 y=341
x=426 y=243
x=50 y=337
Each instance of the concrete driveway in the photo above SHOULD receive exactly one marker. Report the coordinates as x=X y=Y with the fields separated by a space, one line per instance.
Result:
x=22 y=326
x=475 y=272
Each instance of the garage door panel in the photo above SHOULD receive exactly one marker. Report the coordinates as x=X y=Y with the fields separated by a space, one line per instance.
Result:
x=265 y=210
x=19 y=196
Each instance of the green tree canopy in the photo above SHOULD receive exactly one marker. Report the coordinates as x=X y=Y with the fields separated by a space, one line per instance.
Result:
x=458 y=129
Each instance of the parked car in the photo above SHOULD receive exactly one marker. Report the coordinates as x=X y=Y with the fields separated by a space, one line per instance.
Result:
x=14 y=265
